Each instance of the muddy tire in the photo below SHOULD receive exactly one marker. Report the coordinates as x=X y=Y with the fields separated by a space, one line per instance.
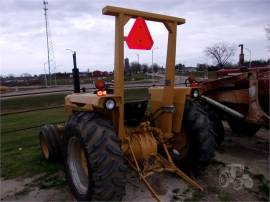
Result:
x=204 y=132
x=50 y=142
x=94 y=164
x=243 y=128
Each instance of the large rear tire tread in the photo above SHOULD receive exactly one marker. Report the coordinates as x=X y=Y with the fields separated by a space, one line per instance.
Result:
x=50 y=134
x=104 y=157
x=205 y=133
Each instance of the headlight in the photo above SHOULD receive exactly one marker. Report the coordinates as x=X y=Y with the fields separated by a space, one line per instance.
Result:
x=109 y=104
x=195 y=93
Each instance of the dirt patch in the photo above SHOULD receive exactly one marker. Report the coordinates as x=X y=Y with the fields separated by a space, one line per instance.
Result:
x=240 y=170
x=167 y=186
x=38 y=188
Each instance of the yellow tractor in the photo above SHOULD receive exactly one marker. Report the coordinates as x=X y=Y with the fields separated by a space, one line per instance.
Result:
x=103 y=134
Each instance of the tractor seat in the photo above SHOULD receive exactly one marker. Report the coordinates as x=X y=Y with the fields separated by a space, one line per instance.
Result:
x=134 y=111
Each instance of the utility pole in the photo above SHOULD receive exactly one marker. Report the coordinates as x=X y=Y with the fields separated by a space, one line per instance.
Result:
x=45 y=75
x=45 y=3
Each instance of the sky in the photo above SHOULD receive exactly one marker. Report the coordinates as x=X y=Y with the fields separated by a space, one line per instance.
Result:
x=80 y=26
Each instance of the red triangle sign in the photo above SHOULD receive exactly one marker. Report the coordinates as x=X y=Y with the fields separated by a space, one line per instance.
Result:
x=139 y=36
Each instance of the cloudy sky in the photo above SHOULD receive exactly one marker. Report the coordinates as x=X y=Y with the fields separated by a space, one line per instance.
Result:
x=79 y=25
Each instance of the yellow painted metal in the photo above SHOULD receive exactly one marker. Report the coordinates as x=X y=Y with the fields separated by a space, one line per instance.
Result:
x=142 y=142
x=90 y=98
x=119 y=69
x=146 y=138
x=168 y=92
x=157 y=100
x=88 y=102
x=114 y=11
x=122 y=15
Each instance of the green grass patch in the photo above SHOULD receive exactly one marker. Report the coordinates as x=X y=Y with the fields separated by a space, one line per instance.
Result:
x=28 y=119
x=24 y=159
x=24 y=103
x=20 y=152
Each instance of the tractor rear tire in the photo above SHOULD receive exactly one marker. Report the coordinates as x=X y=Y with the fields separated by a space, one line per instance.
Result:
x=204 y=132
x=243 y=128
x=50 y=142
x=94 y=164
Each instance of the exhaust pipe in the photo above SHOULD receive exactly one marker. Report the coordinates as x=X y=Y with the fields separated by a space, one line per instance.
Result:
x=223 y=107
x=76 y=75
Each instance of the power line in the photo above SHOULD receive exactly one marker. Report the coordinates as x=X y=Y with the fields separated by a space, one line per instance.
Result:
x=45 y=3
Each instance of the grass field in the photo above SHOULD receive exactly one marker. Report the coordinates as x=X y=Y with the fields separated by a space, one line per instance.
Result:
x=24 y=103
x=20 y=152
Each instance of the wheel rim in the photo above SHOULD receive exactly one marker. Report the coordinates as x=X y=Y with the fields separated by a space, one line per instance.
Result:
x=77 y=165
x=44 y=146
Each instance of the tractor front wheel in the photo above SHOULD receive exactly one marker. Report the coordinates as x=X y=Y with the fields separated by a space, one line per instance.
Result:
x=93 y=159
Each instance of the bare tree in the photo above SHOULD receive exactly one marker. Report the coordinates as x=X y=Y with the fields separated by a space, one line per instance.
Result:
x=220 y=53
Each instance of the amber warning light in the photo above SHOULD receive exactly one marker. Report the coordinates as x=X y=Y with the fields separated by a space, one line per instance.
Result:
x=101 y=93
x=100 y=85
